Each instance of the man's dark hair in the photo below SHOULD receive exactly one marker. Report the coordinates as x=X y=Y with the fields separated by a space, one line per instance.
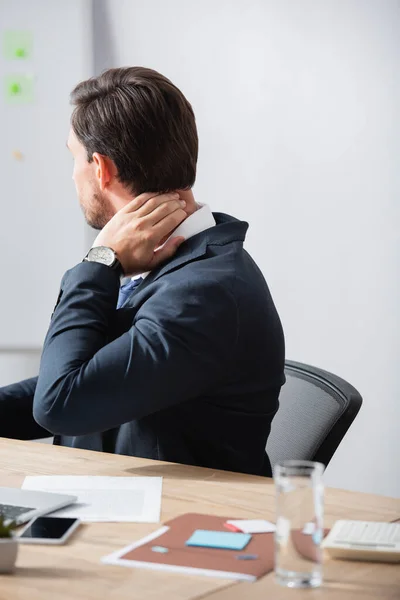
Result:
x=143 y=122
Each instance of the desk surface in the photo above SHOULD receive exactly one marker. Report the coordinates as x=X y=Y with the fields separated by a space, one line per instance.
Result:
x=74 y=570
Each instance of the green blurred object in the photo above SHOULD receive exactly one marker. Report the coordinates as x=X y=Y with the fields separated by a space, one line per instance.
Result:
x=6 y=531
x=15 y=88
x=17 y=45
x=18 y=89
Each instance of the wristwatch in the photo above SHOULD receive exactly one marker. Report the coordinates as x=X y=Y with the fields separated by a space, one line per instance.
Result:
x=105 y=256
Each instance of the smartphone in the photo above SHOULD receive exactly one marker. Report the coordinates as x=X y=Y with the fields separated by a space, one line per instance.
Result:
x=48 y=530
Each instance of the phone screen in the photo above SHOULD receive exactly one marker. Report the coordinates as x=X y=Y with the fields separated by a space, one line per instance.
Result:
x=46 y=528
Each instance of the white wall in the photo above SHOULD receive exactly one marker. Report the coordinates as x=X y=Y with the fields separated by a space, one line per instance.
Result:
x=19 y=364
x=297 y=105
x=41 y=228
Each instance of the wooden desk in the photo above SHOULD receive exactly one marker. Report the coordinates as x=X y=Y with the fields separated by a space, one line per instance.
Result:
x=74 y=571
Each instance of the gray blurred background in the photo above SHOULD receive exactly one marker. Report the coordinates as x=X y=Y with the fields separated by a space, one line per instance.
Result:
x=297 y=106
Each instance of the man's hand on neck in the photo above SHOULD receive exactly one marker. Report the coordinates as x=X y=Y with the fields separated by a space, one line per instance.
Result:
x=137 y=231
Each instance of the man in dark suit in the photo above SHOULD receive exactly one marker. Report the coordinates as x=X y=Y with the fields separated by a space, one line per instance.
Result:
x=185 y=362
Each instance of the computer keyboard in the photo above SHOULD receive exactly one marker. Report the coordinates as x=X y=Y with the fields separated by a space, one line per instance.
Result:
x=364 y=540
x=12 y=512
x=364 y=532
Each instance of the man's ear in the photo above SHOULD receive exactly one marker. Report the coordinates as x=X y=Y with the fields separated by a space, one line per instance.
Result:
x=104 y=168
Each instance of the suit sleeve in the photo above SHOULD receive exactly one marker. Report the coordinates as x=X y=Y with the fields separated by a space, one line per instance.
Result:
x=16 y=417
x=179 y=346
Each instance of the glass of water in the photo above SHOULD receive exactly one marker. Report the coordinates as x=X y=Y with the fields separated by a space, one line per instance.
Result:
x=299 y=523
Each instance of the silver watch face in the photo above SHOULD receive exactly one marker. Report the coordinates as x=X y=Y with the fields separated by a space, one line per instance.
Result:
x=102 y=254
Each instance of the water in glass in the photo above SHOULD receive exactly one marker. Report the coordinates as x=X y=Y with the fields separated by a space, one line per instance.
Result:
x=299 y=523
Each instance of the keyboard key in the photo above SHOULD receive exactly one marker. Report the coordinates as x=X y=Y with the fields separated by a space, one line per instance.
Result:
x=11 y=512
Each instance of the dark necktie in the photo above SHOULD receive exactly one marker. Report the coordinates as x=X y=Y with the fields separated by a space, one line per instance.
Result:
x=126 y=290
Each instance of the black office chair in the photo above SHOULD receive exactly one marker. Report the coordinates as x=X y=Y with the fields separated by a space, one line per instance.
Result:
x=316 y=409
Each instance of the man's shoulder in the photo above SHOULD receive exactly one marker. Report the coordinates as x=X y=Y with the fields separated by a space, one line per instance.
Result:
x=220 y=280
x=200 y=278
x=217 y=268
x=190 y=295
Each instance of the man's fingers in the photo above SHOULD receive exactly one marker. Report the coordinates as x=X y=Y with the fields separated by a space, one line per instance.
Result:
x=139 y=203
x=167 y=251
x=162 y=211
x=153 y=203
x=167 y=225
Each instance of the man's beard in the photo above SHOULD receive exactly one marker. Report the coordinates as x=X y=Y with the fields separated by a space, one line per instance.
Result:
x=97 y=212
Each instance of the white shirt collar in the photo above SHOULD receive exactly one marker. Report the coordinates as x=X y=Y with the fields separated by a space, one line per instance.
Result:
x=198 y=222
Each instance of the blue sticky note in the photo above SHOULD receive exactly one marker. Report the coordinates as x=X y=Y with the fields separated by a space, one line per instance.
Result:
x=225 y=540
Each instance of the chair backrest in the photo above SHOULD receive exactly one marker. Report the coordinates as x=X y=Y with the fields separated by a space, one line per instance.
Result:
x=316 y=408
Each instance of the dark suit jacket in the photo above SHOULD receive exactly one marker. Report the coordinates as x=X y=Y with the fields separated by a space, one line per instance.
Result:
x=189 y=370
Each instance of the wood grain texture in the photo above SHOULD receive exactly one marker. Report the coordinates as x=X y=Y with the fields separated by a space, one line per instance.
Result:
x=343 y=580
x=75 y=571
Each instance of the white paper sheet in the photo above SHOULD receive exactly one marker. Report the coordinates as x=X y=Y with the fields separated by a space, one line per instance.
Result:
x=253 y=525
x=100 y=499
